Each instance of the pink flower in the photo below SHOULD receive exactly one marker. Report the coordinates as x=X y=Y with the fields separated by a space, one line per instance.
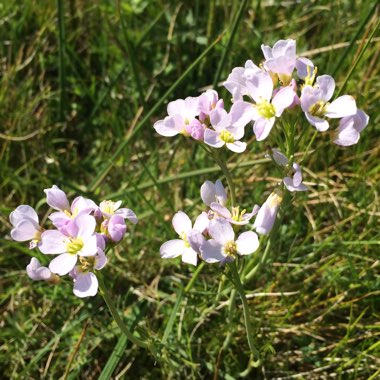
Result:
x=315 y=103
x=223 y=247
x=236 y=82
x=264 y=111
x=25 y=222
x=350 y=127
x=267 y=214
x=57 y=199
x=224 y=133
x=37 y=272
x=207 y=102
x=180 y=119
x=79 y=241
x=85 y=282
x=110 y=208
x=293 y=183
x=235 y=216
x=213 y=192
x=182 y=247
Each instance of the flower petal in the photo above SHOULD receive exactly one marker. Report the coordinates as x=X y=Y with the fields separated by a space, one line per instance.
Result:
x=283 y=99
x=221 y=230
x=85 y=285
x=190 y=256
x=221 y=210
x=260 y=86
x=57 y=199
x=86 y=226
x=181 y=223
x=343 y=106
x=242 y=113
x=202 y=222
x=237 y=146
x=247 y=243
x=90 y=247
x=172 y=249
x=22 y=212
x=63 y=263
x=213 y=139
x=262 y=128
x=212 y=252
x=25 y=230
x=53 y=242
x=320 y=124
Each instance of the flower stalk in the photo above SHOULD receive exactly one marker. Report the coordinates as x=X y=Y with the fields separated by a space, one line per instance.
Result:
x=123 y=327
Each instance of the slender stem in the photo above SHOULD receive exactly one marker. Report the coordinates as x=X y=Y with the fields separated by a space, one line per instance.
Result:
x=61 y=51
x=115 y=314
x=253 y=271
x=194 y=277
x=239 y=287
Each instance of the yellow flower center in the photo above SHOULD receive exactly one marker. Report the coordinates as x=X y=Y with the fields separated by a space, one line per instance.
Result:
x=318 y=108
x=183 y=236
x=309 y=80
x=237 y=215
x=74 y=246
x=266 y=109
x=230 y=248
x=86 y=264
x=227 y=136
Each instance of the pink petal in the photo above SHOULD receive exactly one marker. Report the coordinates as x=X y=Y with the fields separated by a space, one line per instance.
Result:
x=283 y=99
x=22 y=212
x=86 y=226
x=260 y=86
x=57 y=199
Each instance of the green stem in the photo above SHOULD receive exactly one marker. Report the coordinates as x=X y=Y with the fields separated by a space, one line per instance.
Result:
x=239 y=287
x=194 y=277
x=251 y=273
x=115 y=314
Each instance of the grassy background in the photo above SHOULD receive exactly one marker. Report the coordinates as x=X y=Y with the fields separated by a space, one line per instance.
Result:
x=67 y=102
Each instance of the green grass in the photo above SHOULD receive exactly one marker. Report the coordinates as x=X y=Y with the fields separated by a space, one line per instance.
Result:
x=77 y=109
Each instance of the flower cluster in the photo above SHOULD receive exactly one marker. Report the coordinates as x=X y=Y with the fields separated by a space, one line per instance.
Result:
x=261 y=95
x=80 y=236
x=212 y=237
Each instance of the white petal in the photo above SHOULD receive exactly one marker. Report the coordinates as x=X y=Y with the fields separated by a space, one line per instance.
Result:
x=242 y=113
x=326 y=85
x=212 y=252
x=181 y=223
x=100 y=260
x=320 y=124
x=302 y=64
x=176 y=107
x=213 y=139
x=166 y=127
x=172 y=249
x=220 y=192
x=221 y=230
x=90 y=247
x=196 y=240
x=53 y=242
x=25 y=230
x=126 y=213
x=283 y=99
x=247 y=243
x=260 y=86
x=189 y=256
x=63 y=263
x=23 y=212
x=343 y=106
x=85 y=285
x=237 y=146
x=262 y=128
x=86 y=226
x=221 y=210
x=202 y=222
x=208 y=193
